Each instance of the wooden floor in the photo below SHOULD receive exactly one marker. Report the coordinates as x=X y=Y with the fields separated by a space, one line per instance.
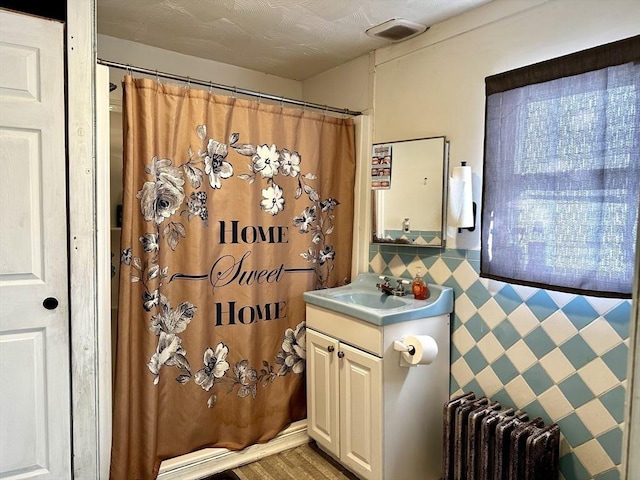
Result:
x=306 y=462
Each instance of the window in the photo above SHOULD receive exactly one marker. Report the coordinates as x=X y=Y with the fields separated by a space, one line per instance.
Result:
x=562 y=172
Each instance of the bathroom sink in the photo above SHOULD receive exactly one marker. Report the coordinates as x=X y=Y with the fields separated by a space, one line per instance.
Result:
x=363 y=300
x=371 y=300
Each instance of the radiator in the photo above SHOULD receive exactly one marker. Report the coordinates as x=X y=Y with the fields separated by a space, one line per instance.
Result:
x=484 y=441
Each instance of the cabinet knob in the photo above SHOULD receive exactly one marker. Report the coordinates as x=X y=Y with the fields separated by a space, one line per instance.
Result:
x=330 y=348
x=340 y=354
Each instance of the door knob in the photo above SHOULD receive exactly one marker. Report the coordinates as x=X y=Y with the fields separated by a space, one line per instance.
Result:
x=330 y=348
x=340 y=354
x=50 y=303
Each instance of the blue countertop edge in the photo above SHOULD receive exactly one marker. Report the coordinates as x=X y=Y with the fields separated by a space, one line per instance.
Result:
x=439 y=301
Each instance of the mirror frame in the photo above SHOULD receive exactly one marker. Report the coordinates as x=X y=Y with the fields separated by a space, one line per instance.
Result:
x=443 y=210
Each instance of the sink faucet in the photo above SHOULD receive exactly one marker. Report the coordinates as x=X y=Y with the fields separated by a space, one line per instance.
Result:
x=384 y=287
x=398 y=291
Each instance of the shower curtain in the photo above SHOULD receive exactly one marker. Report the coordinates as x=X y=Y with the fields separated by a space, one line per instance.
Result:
x=232 y=209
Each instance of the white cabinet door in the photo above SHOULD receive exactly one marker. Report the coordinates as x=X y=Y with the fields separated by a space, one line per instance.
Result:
x=361 y=412
x=322 y=391
x=35 y=410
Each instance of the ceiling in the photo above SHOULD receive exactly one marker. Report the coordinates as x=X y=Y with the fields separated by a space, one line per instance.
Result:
x=293 y=39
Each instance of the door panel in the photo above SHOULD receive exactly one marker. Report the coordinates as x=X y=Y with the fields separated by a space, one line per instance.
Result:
x=34 y=317
x=322 y=391
x=361 y=412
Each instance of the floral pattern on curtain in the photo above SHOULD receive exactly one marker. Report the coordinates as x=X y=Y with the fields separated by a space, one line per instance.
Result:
x=232 y=209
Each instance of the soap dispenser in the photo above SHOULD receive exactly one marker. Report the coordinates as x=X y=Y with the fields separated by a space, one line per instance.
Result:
x=419 y=288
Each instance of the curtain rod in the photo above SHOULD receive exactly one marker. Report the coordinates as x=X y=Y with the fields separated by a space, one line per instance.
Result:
x=227 y=88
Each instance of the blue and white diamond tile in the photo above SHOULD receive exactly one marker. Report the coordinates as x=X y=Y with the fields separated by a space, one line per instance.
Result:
x=440 y=272
x=465 y=275
x=397 y=266
x=464 y=308
x=580 y=312
x=523 y=320
x=521 y=356
x=541 y=304
x=490 y=347
x=559 y=327
x=491 y=312
x=508 y=299
x=463 y=340
x=577 y=351
x=600 y=336
x=592 y=454
x=557 y=366
x=560 y=298
x=555 y=403
x=611 y=441
x=598 y=376
x=595 y=417
x=613 y=401
x=562 y=356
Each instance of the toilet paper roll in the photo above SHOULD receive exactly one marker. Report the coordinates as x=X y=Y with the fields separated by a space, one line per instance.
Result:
x=426 y=350
x=460 y=198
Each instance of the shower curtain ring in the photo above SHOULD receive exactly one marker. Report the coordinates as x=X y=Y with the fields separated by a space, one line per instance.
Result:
x=188 y=85
x=210 y=87
x=235 y=90
x=157 y=77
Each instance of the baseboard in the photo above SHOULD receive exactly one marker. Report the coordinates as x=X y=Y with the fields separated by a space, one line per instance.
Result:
x=215 y=460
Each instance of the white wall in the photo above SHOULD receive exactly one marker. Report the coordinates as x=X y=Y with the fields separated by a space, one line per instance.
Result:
x=348 y=86
x=139 y=55
x=434 y=84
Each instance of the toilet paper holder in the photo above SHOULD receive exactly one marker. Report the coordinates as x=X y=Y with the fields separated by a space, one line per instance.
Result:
x=398 y=346
x=401 y=347
x=416 y=350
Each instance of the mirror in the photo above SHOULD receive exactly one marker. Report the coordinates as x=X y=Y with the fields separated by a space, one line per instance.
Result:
x=409 y=191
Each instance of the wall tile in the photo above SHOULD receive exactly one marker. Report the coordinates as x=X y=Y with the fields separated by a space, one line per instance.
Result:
x=559 y=327
x=555 y=403
x=539 y=342
x=537 y=379
x=591 y=453
x=619 y=318
x=611 y=442
x=576 y=390
x=598 y=377
x=577 y=351
x=600 y=336
x=557 y=365
x=491 y=312
x=595 y=417
x=574 y=430
x=521 y=356
x=580 y=311
x=552 y=354
x=541 y=304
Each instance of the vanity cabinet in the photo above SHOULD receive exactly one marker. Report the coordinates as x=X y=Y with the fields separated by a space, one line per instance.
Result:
x=344 y=386
x=380 y=420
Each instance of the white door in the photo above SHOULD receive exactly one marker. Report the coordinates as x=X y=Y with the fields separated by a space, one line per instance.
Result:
x=361 y=412
x=322 y=391
x=35 y=410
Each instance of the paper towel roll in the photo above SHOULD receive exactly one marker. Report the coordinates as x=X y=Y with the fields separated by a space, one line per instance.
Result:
x=426 y=349
x=460 y=198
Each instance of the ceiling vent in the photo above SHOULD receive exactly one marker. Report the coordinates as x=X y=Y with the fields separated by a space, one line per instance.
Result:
x=396 y=30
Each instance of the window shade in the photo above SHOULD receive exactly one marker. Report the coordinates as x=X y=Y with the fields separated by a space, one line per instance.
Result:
x=562 y=172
